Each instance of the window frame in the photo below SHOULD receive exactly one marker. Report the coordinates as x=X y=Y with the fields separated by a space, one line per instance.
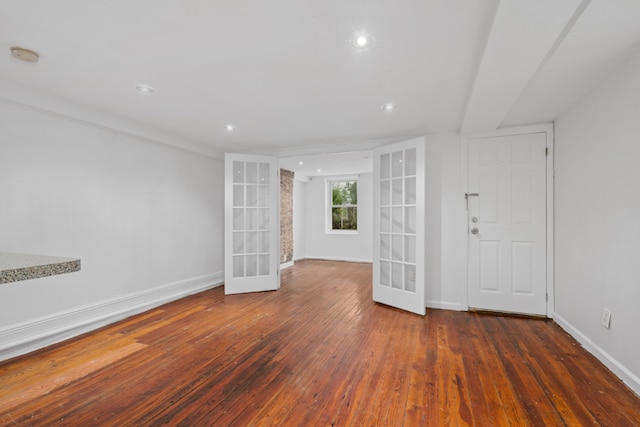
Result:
x=328 y=212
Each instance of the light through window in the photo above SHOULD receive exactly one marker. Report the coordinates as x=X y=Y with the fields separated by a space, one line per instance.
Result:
x=344 y=205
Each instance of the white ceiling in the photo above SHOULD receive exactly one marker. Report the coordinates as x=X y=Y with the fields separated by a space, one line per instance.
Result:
x=339 y=163
x=286 y=75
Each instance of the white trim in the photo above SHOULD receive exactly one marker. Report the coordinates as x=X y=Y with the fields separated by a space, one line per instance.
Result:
x=328 y=200
x=551 y=308
x=301 y=178
x=25 y=337
x=285 y=265
x=541 y=128
x=464 y=219
x=341 y=177
x=442 y=305
x=328 y=148
x=343 y=259
x=13 y=93
x=347 y=232
x=628 y=377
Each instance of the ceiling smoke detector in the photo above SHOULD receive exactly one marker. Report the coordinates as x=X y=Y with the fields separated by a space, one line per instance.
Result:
x=389 y=106
x=23 y=54
x=144 y=88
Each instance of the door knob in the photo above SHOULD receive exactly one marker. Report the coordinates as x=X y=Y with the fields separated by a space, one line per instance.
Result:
x=474 y=230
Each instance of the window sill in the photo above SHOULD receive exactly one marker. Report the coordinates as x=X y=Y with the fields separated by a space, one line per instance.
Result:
x=351 y=232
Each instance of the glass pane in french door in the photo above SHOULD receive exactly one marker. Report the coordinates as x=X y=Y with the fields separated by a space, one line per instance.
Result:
x=397 y=214
x=251 y=219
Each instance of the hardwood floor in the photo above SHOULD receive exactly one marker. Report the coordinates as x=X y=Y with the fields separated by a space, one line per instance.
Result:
x=318 y=352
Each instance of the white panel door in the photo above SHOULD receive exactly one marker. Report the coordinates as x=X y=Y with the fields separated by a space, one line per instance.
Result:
x=507 y=223
x=252 y=224
x=398 y=198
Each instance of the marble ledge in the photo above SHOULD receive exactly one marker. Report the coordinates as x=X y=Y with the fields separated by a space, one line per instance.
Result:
x=16 y=267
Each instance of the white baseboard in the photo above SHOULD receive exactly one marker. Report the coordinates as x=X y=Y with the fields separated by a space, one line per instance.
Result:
x=442 y=305
x=25 y=337
x=628 y=377
x=345 y=259
x=286 y=265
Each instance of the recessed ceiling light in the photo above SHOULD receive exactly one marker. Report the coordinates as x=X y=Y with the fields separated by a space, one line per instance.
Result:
x=319 y=170
x=389 y=106
x=301 y=163
x=230 y=127
x=144 y=89
x=23 y=54
x=361 y=41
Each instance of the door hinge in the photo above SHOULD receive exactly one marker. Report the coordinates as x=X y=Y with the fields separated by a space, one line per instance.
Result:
x=546 y=151
x=547 y=296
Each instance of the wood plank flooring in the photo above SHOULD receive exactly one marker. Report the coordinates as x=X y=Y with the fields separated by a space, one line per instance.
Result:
x=318 y=352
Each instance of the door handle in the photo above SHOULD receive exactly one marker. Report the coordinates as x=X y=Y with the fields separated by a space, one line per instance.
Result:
x=467 y=195
x=474 y=230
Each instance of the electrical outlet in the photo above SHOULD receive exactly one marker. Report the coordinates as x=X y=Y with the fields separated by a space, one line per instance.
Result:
x=606 y=318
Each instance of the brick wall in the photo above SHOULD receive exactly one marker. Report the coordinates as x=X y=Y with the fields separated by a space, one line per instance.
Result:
x=286 y=215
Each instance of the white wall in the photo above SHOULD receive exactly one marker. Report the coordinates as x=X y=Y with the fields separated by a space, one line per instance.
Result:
x=146 y=219
x=597 y=217
x=346 y=247
x=299 y=214
x=446 y=238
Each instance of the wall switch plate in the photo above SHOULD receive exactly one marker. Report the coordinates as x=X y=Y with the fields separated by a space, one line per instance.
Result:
x=606 y=318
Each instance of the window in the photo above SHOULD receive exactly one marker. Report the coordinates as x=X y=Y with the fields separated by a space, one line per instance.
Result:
x=342 y=215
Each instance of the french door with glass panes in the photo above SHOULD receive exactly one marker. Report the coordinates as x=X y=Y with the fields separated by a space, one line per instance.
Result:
x=398 y=259
x=252 y=191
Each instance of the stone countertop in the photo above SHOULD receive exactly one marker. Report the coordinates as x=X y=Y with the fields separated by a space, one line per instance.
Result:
x=15 y=267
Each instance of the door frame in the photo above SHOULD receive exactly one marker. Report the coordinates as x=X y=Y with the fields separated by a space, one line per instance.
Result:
x=543 y=128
